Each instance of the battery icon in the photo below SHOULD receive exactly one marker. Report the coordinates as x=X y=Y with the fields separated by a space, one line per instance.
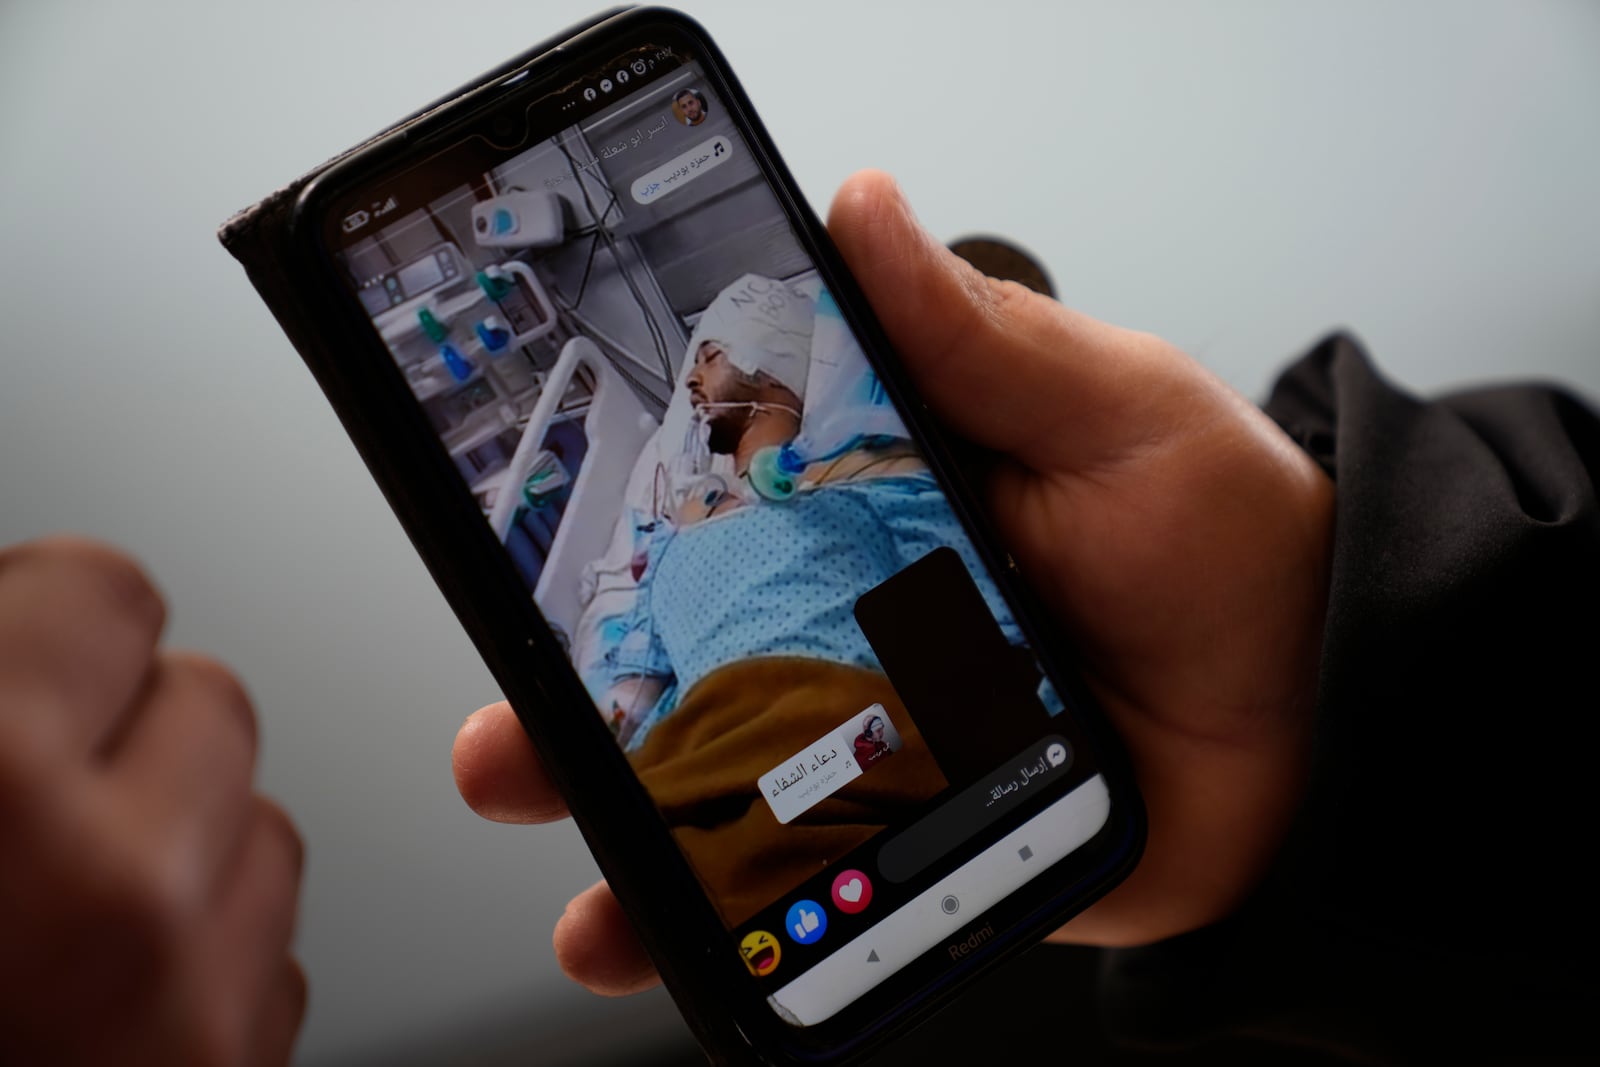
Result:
x=355 y=220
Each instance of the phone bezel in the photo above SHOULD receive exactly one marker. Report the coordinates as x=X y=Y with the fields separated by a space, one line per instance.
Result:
x=676 y=922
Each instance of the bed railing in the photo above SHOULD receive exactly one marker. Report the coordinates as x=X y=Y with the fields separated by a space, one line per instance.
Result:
x=616 y=428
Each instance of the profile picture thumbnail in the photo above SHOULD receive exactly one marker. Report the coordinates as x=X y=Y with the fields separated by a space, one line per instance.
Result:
x=877 y=738
x=689 y=107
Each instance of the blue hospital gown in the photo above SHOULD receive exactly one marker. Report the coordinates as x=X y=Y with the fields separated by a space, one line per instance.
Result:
x=781 y=579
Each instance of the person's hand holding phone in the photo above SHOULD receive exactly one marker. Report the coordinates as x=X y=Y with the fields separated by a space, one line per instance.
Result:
x=1182 y=538
x=147 y=895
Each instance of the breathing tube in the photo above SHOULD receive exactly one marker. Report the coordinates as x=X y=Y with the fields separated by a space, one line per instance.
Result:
x=768 y=474
x=774 y=473
x=775 y=470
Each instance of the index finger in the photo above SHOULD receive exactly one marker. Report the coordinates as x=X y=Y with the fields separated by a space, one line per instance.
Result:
x=499 y=774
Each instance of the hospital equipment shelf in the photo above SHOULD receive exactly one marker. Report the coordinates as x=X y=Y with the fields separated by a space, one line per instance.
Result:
x=527 y=306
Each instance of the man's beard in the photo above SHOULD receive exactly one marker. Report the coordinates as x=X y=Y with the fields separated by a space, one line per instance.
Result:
x=726 y=428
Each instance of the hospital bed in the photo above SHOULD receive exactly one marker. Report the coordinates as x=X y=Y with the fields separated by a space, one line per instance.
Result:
x=616 y=428
x=588 y=576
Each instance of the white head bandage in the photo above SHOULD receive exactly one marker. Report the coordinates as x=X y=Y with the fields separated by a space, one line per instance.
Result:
x=764 y=327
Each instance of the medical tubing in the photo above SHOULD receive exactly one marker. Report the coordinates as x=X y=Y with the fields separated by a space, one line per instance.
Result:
x=790 y=460
x=751 y=405
x=588 y=265
x=656 y=337
x=775 y=470
x=591 y=231
x=614 y=350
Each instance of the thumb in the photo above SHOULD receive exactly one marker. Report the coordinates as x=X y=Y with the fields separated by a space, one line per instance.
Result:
x=1004 y=366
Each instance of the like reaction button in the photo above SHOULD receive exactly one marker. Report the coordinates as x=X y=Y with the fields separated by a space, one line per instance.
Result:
x=761 y=952
x=807 y=922
x=852 y=892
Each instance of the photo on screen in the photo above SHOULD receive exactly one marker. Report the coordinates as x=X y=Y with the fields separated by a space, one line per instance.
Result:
x=693 y=468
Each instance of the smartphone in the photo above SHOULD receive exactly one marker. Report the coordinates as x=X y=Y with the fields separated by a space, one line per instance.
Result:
x=643 y=428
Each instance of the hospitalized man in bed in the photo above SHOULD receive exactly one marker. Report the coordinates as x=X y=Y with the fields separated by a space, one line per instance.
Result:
x=741 y=646
x=797 y=491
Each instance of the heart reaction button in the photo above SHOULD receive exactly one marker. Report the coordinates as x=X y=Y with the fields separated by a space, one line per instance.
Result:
x=852 y=892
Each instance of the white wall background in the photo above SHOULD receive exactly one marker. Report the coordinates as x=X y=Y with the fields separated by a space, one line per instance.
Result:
x=1237 y=176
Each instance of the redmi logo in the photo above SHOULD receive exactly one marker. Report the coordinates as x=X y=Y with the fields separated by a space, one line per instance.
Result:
x=960 y=949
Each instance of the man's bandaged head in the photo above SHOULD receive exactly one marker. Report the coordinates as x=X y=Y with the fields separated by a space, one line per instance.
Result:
x=764 y=327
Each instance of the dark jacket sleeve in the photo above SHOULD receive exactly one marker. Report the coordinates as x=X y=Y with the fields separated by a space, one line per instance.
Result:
x=1435 y=902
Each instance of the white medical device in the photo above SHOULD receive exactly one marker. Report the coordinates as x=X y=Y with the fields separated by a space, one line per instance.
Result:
x=519 y=220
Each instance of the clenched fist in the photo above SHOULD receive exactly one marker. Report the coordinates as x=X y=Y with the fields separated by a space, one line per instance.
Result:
x=147 y=894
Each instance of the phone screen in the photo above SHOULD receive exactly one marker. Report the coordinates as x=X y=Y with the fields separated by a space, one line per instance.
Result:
x=705 y=486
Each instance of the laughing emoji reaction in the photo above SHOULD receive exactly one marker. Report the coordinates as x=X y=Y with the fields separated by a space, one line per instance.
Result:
x=761 y=952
